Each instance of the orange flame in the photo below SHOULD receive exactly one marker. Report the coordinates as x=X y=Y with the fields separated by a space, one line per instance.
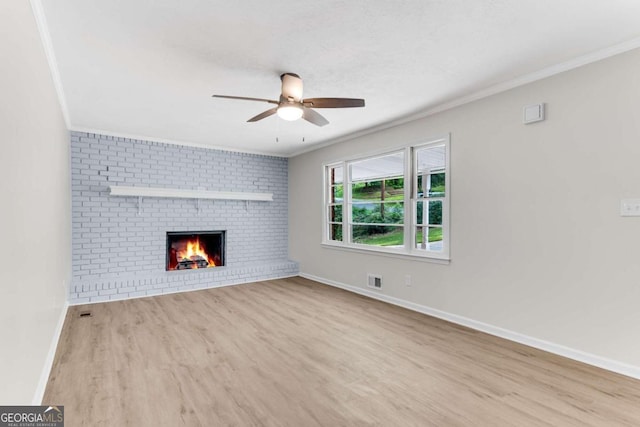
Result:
x=194 y=250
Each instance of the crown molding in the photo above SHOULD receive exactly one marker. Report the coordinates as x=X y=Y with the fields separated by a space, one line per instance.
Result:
x=487 y=92
x=45 y=37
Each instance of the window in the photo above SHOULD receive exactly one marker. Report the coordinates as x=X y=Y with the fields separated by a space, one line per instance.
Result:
x=396 y=202
x=376 y=205
x=336 y=197
x=430 y=197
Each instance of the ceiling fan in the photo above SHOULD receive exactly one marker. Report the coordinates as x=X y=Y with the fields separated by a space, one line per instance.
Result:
x=291 y=106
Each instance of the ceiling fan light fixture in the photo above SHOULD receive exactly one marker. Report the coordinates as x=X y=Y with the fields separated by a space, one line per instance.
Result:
x=290 y=112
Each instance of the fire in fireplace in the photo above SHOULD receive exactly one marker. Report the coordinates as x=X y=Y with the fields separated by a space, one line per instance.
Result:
x=195 y=249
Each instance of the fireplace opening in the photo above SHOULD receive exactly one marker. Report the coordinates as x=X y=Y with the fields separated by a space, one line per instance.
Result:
x=195 y=249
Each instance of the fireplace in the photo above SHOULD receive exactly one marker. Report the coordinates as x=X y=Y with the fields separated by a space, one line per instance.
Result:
x=195 y=249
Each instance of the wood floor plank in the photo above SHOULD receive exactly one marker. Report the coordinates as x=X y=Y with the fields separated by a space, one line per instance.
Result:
x=294 y=352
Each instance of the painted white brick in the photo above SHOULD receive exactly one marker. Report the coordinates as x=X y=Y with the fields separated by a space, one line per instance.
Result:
x=111 y=239
x=137 y=294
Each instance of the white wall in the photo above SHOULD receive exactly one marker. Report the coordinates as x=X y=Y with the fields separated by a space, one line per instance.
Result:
x=537 y=243
x=35 y=229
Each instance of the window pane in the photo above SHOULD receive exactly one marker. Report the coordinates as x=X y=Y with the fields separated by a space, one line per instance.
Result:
x=431 y=185
x=335 y=175
x=431 y=241
x=378 y=213
x=377 y=168
x=379 y=190
x=335 y=197
x=335 y=213
x=430 y=159
x=378 y=235
x=335 y=232
x=430 y=165
x=429 y=212
x=437 y=185
x=337 y=193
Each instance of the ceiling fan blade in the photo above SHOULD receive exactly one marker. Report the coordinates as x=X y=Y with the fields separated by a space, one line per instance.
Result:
x=244 y=98
x=291 y=86
x=314 y=117
x=333 y=102
x=263 y=115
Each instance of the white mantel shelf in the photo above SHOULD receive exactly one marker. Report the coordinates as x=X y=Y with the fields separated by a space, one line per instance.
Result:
x=124 y=191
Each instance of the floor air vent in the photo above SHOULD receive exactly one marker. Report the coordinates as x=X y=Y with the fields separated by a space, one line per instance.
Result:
x=374 y=281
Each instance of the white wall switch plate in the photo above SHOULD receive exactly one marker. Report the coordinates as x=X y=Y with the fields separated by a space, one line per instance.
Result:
x=533 y=113
x=630 y=207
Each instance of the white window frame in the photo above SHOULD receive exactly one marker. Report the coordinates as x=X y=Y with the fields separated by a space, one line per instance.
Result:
x=328 y=203
x=409 y=202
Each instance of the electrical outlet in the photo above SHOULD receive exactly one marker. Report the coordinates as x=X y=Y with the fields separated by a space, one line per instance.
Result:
x=407 y=280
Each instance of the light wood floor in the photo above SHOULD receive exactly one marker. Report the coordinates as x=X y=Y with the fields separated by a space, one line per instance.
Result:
x=294 y=352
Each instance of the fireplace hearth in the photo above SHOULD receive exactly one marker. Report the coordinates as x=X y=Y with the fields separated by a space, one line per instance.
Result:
x=195 y=249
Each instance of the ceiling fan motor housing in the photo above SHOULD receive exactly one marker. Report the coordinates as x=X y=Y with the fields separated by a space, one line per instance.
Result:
x=291 y=87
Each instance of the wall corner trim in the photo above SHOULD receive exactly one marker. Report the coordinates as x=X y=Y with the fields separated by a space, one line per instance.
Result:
x=47 y=45
x=577 y=355
x=48 y=364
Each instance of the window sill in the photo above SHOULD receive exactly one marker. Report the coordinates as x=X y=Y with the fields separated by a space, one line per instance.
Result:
x=388 y=253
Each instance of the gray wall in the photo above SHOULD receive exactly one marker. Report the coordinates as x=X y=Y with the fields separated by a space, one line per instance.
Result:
x=35 y=217
x=538 y=246
x=119 y=252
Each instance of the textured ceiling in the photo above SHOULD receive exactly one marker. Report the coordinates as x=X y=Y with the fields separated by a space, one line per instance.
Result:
x=148 y=68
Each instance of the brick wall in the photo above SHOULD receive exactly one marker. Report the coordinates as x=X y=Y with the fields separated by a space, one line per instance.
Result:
x=119 y=246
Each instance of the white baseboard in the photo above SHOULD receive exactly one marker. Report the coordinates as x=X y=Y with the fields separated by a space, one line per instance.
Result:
x=48 y=364
x=580 y=356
